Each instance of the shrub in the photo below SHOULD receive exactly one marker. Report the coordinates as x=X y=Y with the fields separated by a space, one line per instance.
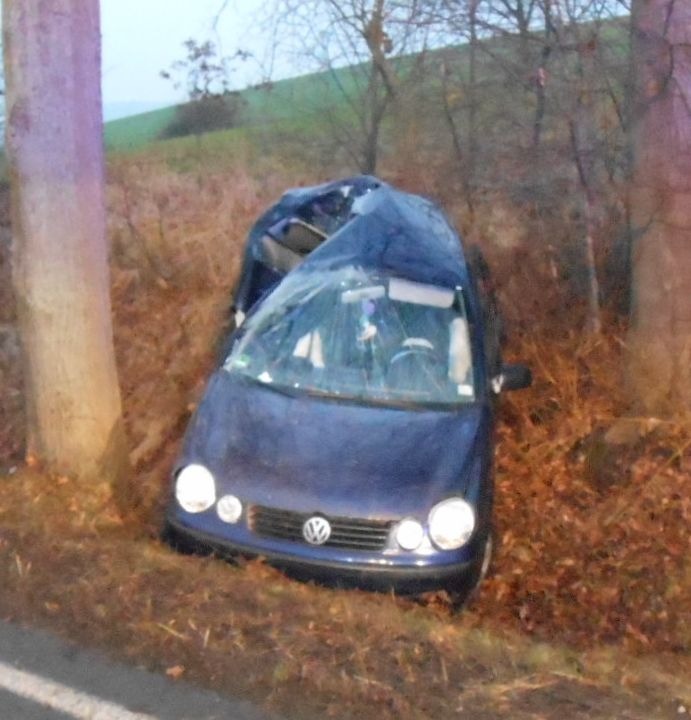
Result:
x=208 y=113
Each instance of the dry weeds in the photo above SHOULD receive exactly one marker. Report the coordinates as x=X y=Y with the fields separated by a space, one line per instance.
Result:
x=594 y=544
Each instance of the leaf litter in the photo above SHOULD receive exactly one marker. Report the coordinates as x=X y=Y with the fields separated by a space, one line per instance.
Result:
x=586 y=613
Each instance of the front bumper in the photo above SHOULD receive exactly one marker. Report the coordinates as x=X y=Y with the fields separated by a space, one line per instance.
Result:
x=381 y=576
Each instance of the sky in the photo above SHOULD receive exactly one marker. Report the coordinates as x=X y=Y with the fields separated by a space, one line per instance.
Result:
x=143 y=37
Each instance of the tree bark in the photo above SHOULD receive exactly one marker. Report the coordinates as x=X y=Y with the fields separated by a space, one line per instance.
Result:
x=472 y=94
x=376 y=39
x=584 y=147
x=659 y=367
x=60 y=253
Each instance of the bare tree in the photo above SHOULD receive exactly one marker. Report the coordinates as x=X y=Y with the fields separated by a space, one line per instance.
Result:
x=660 y=335
x=577 y=105
x=353 y=43
x=60 y=261
x=460 y=116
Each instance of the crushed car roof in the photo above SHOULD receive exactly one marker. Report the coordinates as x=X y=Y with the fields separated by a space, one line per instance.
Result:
x=366 y=222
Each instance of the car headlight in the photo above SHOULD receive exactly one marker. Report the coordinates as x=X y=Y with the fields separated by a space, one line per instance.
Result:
x=195 y=488
x=409 y=534
x=229 y=508
x=451 y=523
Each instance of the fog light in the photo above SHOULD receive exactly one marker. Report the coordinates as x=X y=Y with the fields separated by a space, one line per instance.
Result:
x=409 y=534
x=229 y=508
x=195 y=488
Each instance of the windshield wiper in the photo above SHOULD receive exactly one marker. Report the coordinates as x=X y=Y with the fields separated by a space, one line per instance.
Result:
x=395 y=403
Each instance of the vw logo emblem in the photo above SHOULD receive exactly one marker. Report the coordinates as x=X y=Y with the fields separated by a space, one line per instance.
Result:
x=316 y=530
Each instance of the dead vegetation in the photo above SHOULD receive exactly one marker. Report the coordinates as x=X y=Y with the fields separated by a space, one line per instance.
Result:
x=297 y=649
x=592 y=512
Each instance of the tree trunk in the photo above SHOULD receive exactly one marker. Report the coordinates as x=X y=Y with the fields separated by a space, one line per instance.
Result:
x=376 y=39
x=457 y=143
x=375 y=108
x=60 y=253
x=660 y=337
x=472 y=135
x=584 y=147
x=540 y=77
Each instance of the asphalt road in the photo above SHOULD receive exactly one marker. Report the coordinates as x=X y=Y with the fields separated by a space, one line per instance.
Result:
x=42 y=678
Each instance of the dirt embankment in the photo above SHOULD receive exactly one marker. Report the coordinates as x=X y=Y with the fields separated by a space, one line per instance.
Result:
x=593 y=552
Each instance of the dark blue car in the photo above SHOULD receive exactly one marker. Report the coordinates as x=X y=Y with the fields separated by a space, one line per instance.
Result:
x=347 y=435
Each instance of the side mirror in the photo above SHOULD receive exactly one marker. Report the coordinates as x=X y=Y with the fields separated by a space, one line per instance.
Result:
x=514 y=376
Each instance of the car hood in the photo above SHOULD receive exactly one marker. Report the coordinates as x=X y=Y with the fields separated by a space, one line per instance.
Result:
x=309 y=454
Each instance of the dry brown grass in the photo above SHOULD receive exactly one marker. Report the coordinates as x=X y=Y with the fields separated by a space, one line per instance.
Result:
x=594 y=533
x=593 y=553
x=295 y=648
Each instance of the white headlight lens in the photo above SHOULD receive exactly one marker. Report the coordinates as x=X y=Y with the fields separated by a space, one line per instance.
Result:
x=409 y=534
x=229 y=508
x=451 y=523
x=195 y=489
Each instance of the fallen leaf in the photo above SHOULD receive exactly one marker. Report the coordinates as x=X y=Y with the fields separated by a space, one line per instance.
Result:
x=175 y=672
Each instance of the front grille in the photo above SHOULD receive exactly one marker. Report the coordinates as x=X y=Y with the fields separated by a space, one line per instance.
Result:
x=349 y=533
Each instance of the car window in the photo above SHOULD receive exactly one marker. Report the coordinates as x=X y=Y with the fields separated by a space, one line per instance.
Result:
x=360 y=335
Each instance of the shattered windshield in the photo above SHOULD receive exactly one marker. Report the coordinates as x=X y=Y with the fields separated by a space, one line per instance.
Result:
x=360 y=335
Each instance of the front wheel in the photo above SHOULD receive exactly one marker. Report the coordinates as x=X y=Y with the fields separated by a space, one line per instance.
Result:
x=479 y=572
x=487 y=555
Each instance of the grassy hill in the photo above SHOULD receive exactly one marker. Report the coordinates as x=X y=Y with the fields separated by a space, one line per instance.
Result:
x=137 y=130
x=308 y=102
x=303 y=103
x=283 y=104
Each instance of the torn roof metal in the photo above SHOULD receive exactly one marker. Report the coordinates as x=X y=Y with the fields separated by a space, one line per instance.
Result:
x=359 y=221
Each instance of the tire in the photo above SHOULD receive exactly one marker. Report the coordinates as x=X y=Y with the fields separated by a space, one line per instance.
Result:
x=460 y=599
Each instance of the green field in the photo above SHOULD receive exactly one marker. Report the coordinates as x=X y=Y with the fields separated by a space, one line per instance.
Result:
x=304 y=106
x=280 y=106
x=306 y=103
x=137 y=130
